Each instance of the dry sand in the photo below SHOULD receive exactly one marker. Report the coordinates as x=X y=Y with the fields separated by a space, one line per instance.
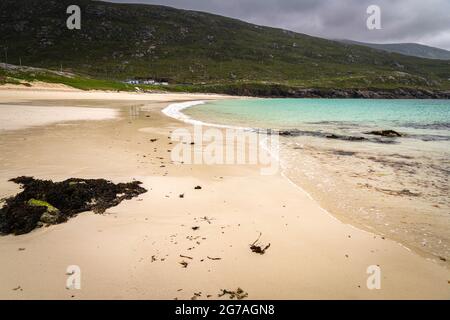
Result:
x=133 y=250
x=30 y=116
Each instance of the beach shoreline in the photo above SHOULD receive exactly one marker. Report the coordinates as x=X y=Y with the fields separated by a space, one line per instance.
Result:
x=374 y=185
x=134 y=250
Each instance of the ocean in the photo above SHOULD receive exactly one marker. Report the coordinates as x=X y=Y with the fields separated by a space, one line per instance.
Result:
x=394 y=186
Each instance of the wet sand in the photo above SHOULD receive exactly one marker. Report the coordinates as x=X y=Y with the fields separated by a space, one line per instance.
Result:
x=134 y=250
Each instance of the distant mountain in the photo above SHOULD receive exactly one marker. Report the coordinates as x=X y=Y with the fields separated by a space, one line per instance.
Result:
x=121 y=41
x=409 y=49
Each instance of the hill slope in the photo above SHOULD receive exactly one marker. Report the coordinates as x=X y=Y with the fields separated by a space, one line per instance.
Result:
x=119 y=41
x=409 y=49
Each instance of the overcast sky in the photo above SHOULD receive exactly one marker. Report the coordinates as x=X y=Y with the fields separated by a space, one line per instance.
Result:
x=421 y=21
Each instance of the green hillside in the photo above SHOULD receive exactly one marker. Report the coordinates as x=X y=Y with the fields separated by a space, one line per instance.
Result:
x=120 y=41
x=409 y=49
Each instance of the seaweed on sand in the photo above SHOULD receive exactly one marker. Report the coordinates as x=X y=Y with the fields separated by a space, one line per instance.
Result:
x=238 y=294
x=256 y=248
x=44 y=202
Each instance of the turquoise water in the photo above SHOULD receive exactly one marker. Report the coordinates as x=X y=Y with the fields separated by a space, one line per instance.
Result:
x=292 y=113
x=397 y=186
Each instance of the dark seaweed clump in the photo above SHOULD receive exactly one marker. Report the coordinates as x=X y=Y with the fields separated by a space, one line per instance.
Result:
x=44 y=202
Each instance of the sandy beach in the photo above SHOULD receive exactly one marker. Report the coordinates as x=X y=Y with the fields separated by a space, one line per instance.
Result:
x=134 y=250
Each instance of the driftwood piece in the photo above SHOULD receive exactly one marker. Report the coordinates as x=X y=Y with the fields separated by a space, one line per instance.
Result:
x=212 y=258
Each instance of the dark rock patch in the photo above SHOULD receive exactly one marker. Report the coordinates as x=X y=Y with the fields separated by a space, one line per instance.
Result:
x=346 y=138
x=329 y=135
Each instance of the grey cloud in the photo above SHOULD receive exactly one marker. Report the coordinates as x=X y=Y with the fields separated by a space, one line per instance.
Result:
x=426 y=22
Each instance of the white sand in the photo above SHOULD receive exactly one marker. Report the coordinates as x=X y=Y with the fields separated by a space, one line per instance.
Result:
x=13 y=117
x=133 y=250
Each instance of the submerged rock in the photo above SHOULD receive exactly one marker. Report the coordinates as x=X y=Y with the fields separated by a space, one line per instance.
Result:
x=346 y=138
x=329 y=135
x=385 y=133
x=44 y=202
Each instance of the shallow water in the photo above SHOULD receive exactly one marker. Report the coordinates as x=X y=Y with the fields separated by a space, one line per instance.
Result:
x=396 y=186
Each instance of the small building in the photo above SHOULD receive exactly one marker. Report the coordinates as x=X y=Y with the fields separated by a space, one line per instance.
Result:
x=132 y=81
x=147 y=81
